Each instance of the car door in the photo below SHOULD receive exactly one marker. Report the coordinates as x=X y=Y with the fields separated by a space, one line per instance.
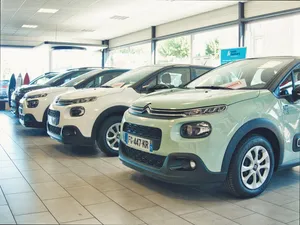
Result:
x=290 y=106
x=173 y=77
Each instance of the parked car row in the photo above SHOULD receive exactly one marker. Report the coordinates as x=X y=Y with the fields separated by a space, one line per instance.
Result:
x=182 y=124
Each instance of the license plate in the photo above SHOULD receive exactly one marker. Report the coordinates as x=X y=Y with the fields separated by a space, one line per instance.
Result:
x=53 y=120
x=138 y=142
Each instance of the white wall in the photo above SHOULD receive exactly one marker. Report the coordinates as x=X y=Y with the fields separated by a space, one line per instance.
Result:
x=256 y=8
x=202 y=20
x=130 y=38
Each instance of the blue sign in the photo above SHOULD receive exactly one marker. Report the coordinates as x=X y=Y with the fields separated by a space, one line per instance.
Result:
x=232 y=54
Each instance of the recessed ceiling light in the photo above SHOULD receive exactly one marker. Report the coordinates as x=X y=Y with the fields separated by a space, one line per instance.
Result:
x=29 y=26
x=47 y=10
x=87 y=30
x=116 y=17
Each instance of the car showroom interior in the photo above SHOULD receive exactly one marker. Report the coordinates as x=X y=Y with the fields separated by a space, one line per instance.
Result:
x=150 y=112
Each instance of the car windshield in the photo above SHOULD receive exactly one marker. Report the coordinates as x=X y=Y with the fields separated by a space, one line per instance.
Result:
x=65 y=77
x=129 y=78
x=245 y=74
x=43 y=78
x=76 y=81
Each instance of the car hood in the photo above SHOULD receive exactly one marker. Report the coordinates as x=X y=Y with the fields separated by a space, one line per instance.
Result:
x=31 y=88
x=193 y=98
x=90 y=92
x=50 y=90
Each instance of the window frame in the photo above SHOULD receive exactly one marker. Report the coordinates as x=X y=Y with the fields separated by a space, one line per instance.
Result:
x=290 y=72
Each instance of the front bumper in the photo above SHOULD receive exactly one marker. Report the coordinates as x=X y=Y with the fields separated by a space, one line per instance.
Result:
x=69 y=135
x=169 y=168
x=28 y=120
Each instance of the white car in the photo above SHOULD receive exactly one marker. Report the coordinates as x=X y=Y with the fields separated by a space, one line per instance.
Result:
x=92 y=117
x=34 y=106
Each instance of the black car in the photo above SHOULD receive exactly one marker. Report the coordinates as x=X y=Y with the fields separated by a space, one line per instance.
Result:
x=55 y=81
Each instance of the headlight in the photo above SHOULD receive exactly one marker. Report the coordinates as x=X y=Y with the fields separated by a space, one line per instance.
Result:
x=84 y=100
x=205 y=110
x=59 y=101
x=195 y=130
x=32 y=103
x=36 y=96
x=77 y=111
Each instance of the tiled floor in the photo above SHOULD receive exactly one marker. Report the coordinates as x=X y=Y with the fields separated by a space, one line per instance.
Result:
x=43 y=181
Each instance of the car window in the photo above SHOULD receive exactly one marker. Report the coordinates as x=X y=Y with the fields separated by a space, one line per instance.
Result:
x=196 y=72
x=286 y=86
x=69 y=77
x=247 y=74
x=41 y=81
x=133 y=76
x=173 y=77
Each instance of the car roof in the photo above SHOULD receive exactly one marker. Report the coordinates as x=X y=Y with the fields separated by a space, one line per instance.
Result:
x=276 y=57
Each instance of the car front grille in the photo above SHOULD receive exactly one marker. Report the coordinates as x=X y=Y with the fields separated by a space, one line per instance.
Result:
x=54 y=130
x=152 y=133
x=146 y=158
x=143 y=131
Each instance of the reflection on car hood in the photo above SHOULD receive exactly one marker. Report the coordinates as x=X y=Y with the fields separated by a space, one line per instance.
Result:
x=31 y=88
x=90 y=92
x=193 y=98
x=50 y=90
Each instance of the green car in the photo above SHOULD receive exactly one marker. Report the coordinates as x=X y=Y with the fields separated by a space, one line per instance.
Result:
x=236 y=124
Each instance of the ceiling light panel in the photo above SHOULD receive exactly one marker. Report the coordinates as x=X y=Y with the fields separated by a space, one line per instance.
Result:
x=43 y=10
x=116 y=17
x=30 y=26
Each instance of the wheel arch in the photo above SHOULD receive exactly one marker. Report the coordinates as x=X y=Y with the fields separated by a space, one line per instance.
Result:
x=263 y=127
x=115 y=110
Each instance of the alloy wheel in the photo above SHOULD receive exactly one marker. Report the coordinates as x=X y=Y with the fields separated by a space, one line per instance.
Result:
x=255 y=167
x=113 y=136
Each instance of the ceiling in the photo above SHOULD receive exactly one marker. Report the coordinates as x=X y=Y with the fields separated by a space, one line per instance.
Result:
x=89 y=21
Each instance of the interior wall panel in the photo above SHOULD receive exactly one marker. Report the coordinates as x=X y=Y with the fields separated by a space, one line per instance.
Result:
x=257 y=8
x=218 y=16
x=130 y=38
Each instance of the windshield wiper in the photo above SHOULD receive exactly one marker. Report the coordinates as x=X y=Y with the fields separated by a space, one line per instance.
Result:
x=213 y=87
x=106 y=86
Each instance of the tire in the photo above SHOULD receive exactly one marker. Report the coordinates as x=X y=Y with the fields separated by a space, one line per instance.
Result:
x=105 y=131
x=242 y=184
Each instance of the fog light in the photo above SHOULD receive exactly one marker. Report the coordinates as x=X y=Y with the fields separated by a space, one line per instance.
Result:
x=68 y=131
x=77 y=111
x=192 y=164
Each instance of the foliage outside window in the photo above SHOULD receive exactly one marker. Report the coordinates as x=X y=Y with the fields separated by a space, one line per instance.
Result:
x=130 y=57
x=174 y=50
x=276 y=36
x=207 y=45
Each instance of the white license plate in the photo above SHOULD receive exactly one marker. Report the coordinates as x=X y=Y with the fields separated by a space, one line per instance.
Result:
x=52 y=120
x=138 y=142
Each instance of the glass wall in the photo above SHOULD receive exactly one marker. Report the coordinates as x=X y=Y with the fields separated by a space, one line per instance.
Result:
x=206 y=45
x=276 y=36
x=130 y=57
x=66 y=59
x=174 y=50
x=17 y=60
